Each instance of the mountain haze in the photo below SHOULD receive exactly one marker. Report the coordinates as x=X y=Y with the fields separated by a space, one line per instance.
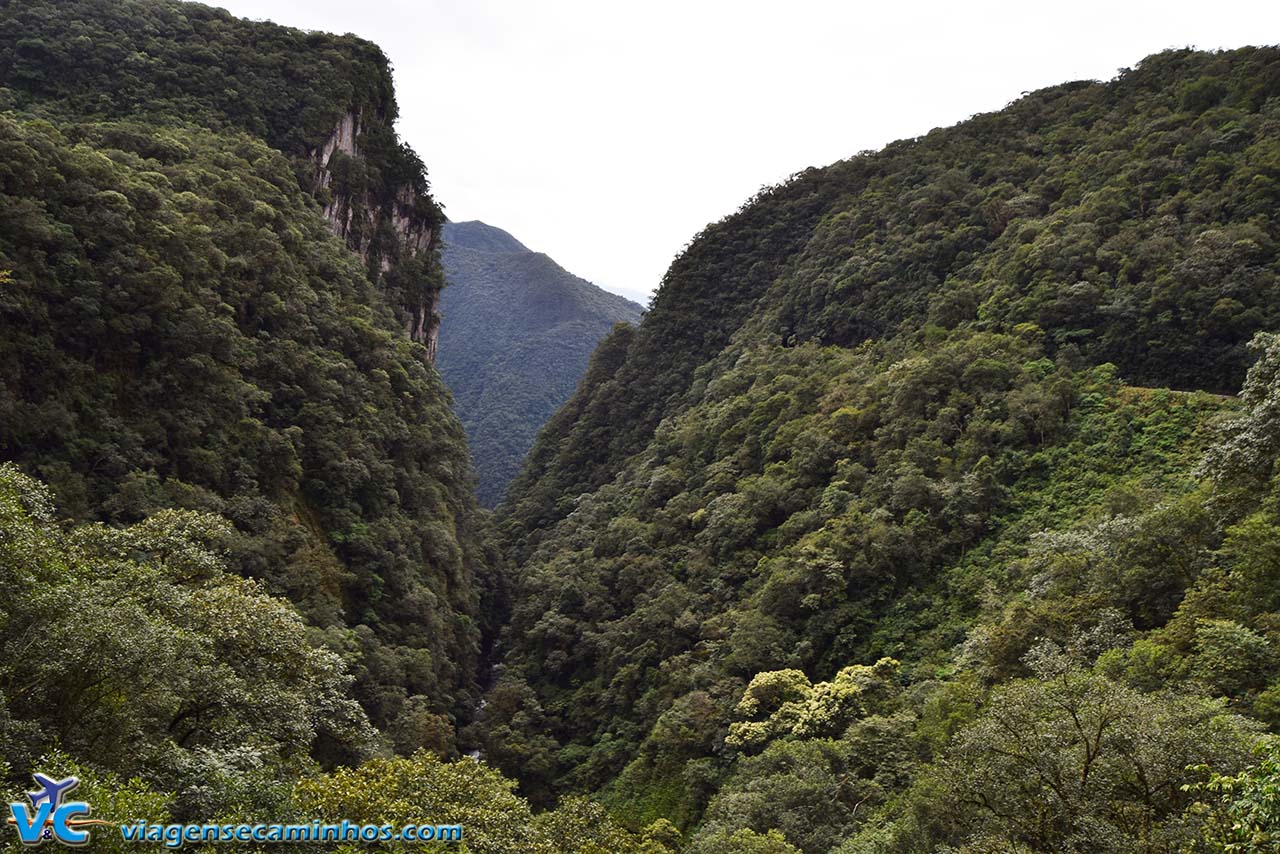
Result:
x=518 y=334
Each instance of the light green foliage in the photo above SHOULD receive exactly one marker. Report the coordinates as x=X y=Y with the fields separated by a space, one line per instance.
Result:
x=1230 y=658
x=110 y=798
x=1242 y=811
x=580 y=826
x=134 y=647
x=791 y=706
x=825 y=757
x=779 y=696
x=424 y=789
x=421 y=789
x=744 y=842
x=1245 y=460
x=661 y=835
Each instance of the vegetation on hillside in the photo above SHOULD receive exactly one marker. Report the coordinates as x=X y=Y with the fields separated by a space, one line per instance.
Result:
x=176 y=691
x=1129 y=220
x=162 y=62
x=157 y=60
x=227 y=411
x=920 y=512
x=518 y=334
x=912 y=516
x=183 y=330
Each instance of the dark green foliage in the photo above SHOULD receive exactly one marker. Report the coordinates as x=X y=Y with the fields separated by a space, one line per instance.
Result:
x=161 y=62
x=517 y=335
x=185 y=332
x=1133 y=230
x=706 y=295
x=157 y=59
x=1130 y=229
x=919 y=405
x=182 y=329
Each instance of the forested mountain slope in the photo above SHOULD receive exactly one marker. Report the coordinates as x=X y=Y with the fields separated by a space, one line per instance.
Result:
x=218 y=274
x=917 y=487
x=520 y=330
x=325 y=101
x=1126 y=218
x=219 y=279
x=932 y=506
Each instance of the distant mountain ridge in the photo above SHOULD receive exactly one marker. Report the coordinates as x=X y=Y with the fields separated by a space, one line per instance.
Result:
x=519 y=330
x=477 y=235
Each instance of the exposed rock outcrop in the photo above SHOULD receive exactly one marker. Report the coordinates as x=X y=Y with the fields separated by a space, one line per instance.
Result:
x=386 y=223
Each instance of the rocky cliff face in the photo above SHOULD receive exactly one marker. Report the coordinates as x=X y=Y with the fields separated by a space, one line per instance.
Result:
x=338 y=211
x=386 y=222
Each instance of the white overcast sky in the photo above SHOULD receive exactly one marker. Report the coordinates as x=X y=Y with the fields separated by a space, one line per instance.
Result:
x=606 y=134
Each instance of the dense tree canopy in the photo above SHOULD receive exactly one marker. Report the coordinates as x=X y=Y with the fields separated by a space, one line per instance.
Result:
x=135 y=647
x=917 y=513
x=183 y=329
x=955 y=404
x=1130 y=220
x=156 y=60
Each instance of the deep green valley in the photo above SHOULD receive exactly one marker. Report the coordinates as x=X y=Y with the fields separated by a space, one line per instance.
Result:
x=931 y=506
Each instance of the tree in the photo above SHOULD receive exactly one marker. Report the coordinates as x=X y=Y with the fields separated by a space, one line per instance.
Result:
x=1243 y=461
x=1072 y=761
x=1241 y=812
x=111 y=798
x=743 y=842
x=425 y=789
x=135 y=647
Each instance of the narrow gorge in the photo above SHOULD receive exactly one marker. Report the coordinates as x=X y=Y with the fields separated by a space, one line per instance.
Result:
x=931 y=505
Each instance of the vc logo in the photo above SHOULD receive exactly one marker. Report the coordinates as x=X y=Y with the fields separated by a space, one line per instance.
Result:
x=49 y=816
